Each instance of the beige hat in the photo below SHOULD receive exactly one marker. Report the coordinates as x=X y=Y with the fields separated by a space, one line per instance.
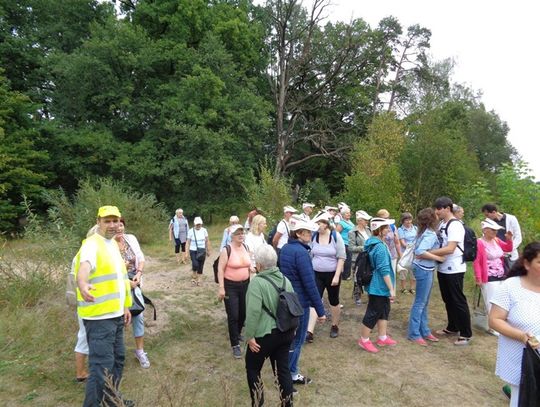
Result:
x=307 y=205
x=289 y=209
x=234 y=228
x=322 y=216
x=330 y=208
x=490 y=224
x=297 y=223
x=197 y=221
x=362 y=215
x=376 y=223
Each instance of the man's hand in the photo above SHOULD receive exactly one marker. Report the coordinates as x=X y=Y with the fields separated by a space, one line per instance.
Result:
x=85 y=289
x=127 y=316
x=253 y=345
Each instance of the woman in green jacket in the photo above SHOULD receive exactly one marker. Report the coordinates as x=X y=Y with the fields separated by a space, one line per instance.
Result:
x=263 y=338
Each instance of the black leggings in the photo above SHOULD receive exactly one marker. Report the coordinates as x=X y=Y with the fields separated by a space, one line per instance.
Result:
x=324 y=281
x=235 y=307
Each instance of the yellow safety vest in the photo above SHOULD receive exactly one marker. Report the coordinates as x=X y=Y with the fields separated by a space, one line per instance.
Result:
x=105 y=282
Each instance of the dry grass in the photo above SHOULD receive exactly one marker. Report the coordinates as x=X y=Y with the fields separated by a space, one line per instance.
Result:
x=192 y=364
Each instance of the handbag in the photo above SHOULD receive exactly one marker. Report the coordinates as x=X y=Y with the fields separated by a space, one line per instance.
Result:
x=407 y=257
x=529 y=387
x=480 y=317
x=201 y=252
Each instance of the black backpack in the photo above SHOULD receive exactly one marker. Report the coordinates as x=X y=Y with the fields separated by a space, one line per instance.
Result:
x=273 y=232
x=470 y=244
x=288 y=311
x=364 y=271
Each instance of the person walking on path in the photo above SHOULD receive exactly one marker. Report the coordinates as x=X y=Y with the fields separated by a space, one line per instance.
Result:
x=178 y=229
x=103 y=301
x=199 y=249
x=451 y=273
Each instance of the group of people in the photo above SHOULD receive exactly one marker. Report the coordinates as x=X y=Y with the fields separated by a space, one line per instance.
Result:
x=310 y=256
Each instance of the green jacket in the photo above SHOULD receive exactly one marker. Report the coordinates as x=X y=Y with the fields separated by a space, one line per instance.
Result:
x=260 y=291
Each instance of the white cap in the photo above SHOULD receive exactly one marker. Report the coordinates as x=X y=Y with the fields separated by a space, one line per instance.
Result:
x=197 y=221
x=330 y=208
x=307 y=205
x=342 y=205
x=234 y=228
x=297 y=223
x=289 y=209
x=376 y=223
x=362 y=215
x=490 y=224
x=321 y=216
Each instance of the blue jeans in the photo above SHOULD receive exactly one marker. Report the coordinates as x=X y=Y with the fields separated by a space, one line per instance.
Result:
x=298 y=341
x=107 y=354
x=418 y=320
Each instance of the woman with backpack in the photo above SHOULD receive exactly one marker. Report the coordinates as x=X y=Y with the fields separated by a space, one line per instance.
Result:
x=381 y=288
x=263 y=338
x=233 y=278
x=423 y=267
x=328 y=259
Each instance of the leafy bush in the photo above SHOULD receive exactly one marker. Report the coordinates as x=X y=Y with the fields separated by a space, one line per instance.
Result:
x=315 y=191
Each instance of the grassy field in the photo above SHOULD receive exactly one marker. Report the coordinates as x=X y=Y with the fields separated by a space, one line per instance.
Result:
x=192 y=363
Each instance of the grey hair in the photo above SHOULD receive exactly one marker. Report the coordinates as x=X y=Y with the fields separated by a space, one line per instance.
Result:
x=266 y=256
x=456 y=208
x=344 y=210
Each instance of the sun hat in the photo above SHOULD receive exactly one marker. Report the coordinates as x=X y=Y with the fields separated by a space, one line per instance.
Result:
x=362 y=215
x=490 y=224
x=307 y=205
x=342 y=205
x=234 y=228
x=197 y=221
x=108 y=210
x=330 y=208
x=289 y=209
x=297 y=223
x=322 y=216
x=376 y=223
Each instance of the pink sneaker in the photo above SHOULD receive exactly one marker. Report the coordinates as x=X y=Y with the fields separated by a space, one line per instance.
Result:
x=387 y=342
x=419 y=341
x=432 y=338
x=367 y=346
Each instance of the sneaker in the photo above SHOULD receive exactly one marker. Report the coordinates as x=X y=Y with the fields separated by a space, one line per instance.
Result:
x=128 y=403
x=419 y=341
x=309 y=337
x=431 y=338
x=302 y=380
x=387 y=342
x=237 y=352
x=404 y=291
x=142 y=357
x=334 y=331
x=367 y=346
x=507 y=391
x=492 y=332
x=412 y=291
x=358 y=302
x=462 y=341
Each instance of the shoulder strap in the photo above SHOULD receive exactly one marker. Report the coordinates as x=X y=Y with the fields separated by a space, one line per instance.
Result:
x=446 y=231
x=195 y=236
x=264 y=307
x=271 y=282
x=315 y=237
x=228 y=249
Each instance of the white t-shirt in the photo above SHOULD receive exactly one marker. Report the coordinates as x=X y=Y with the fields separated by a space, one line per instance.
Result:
x=453 y=262
x=522 y=306
x=201 y=236
x=89 y=254
x=283 y=228
x=253 y=241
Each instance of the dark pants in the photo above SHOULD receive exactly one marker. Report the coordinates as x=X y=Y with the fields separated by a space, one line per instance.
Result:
x=196 y=265
x=275 y=346
x=106 y=357
x=347 y=266
x=378 y=308
x=457 y=309
x=235 y=307
x=178 y=244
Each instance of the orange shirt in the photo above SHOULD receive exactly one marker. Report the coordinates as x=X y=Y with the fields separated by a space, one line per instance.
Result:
x=237 y=267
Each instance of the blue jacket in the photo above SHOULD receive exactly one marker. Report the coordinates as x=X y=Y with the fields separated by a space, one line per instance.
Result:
x=379 y=257
x=295 y=264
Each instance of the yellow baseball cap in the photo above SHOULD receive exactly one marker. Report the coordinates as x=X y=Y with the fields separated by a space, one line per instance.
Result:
x=108 y=210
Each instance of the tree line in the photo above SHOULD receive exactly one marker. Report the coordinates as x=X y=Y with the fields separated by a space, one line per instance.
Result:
x=192 y=100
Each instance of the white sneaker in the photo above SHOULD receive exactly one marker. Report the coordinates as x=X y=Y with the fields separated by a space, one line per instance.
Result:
x=143 y=359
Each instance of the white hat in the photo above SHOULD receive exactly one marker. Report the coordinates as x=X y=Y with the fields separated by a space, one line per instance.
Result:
x=321 y=216
x=376 y=223
x=297 y=223
x=289 y=209
x=330 y=208
x=342 y=205
x=307 y=205
x=490 y=224
x=362 y=215
x=234 y=228
x=197 y=221
x=234 y=218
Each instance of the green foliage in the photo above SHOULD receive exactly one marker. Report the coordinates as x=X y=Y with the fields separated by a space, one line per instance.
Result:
x=375 y=181
x=269 y=194
x=519 y=195
x=472 y=199
x=315 y=191
x=145 y=217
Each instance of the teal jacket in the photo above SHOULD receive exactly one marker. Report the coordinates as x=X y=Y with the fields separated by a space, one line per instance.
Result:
x=258 y=322
x=381 y=266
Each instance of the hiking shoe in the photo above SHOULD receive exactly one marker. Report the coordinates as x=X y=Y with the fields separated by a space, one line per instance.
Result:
x=302 y=380
x=309 y=337
x=419 y=341
x=237 y=352
x=143 y=359
x=334 y=331
x=128 y=403
x=412 y=291
x=431 y=338
x=367 y=346
x=507 y=391
x=387 y=342
x=358 y=301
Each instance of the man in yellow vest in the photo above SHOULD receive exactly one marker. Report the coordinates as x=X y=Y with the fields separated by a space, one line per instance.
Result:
x=103 y=301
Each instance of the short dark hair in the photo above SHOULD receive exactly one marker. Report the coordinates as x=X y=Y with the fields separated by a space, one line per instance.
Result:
x=443 y=202
x=405 y=216
x=489 y=207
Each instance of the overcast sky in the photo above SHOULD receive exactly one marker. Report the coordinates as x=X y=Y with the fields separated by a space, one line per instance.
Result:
x=496 y=48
